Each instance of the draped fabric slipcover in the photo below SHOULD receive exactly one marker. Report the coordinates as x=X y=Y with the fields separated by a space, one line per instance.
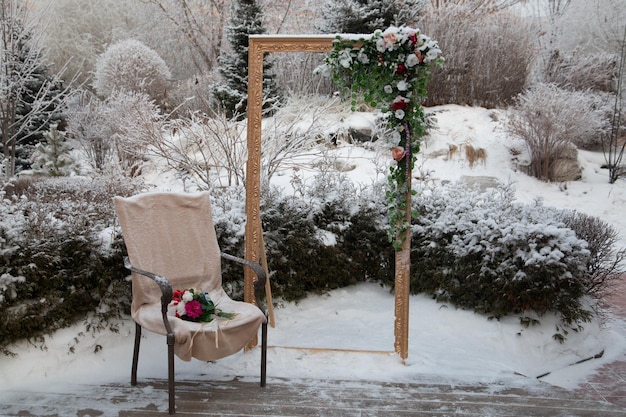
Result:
x=172 y=235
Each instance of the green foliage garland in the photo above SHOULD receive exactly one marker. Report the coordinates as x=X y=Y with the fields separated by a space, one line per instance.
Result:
x=390 y=69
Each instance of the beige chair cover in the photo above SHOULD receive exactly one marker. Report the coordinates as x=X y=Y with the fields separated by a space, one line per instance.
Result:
x=172 y=235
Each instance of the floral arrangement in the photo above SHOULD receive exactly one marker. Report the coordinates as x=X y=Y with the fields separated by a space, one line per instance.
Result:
x=194 y=305
x=390 y=69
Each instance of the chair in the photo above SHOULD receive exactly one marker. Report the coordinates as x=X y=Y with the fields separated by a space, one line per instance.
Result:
x=171 y=245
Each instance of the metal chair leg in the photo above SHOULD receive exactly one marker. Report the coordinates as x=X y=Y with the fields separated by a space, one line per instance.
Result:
x=263 y=354
x=133 y=372
x=170 y=372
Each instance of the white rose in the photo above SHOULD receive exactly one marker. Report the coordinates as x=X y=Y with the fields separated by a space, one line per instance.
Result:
x=402 y=85
x=399 y=114
x=395 y=139
x=345 y=59
x=363 y=58
x=187 y=296
x=388 y=89
x=411 y=60
x=432 y=54
x=380 y=45
x=180 y=309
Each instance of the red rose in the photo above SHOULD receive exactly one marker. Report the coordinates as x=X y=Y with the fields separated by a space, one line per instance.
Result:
x=413 y=39
x=178 y=294
x=398 y=104
x=401 y=69
x=397 y=153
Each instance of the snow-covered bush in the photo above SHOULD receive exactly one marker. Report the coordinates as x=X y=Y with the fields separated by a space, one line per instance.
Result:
x=596 y=72
x=113 y=134
x=488 y=55
x=550 y=120
x=487 y=253
x=130 y=65
x=60 y=257
x=132 y=121
x=86 y=125
x=205 y=151
x=329 y=239
x=606 y=260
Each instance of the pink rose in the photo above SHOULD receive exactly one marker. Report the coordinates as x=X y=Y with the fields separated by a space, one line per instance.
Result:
x=193 y=309
x=398 y=153
x=390 y=38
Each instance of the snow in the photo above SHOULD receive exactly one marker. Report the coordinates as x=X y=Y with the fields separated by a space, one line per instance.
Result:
x=347 y=334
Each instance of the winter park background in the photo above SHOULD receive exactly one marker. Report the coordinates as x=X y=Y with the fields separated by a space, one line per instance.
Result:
x=478 y=166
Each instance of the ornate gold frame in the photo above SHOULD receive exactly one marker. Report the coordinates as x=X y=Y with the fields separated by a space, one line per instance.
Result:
x=258 y=46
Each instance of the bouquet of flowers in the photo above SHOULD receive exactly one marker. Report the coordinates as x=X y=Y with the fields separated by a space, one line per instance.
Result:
x=194 y=305
x=391 y=69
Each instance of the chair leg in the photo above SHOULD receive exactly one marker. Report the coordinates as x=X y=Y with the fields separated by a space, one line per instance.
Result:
x=263 y=354
x=133 y=372
x=170 y=372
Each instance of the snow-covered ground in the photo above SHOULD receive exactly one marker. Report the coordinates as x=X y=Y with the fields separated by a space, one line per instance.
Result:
x=349 y=332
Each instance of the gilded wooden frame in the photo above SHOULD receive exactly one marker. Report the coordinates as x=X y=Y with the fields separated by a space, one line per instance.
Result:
x=258 y=46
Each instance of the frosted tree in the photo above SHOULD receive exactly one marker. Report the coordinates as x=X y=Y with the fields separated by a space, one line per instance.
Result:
x=590 y=26
x=29 y=98
x=53 y=157
x=590 y=52
x=199 y=26
x=232 y=95
x=112 y=133
x=129 y=65
x=365 y=16
x=477 y=5
x=181 y=31
x=78 y=31
x=614 y=143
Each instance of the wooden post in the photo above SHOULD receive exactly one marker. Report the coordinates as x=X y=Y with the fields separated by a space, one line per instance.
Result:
x=403 y=285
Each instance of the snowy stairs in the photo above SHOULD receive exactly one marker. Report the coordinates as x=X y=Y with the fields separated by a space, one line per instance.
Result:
x=306 y=398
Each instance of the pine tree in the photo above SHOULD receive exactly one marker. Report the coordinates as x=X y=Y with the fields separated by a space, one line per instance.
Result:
x=30 y=97
x=365 y=16
x=39 y=87
x=232 y=94
x=53 y=157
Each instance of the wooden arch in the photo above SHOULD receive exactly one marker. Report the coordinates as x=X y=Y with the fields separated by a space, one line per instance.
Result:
x=258 y=46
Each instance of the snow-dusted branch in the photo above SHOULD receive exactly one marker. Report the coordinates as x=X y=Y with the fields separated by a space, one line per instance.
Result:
x=29 y=98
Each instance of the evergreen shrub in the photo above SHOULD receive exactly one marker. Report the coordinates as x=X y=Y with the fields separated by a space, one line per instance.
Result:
x=484 y=252
x=60 y=259
x=331 y=237
x=479 y=251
